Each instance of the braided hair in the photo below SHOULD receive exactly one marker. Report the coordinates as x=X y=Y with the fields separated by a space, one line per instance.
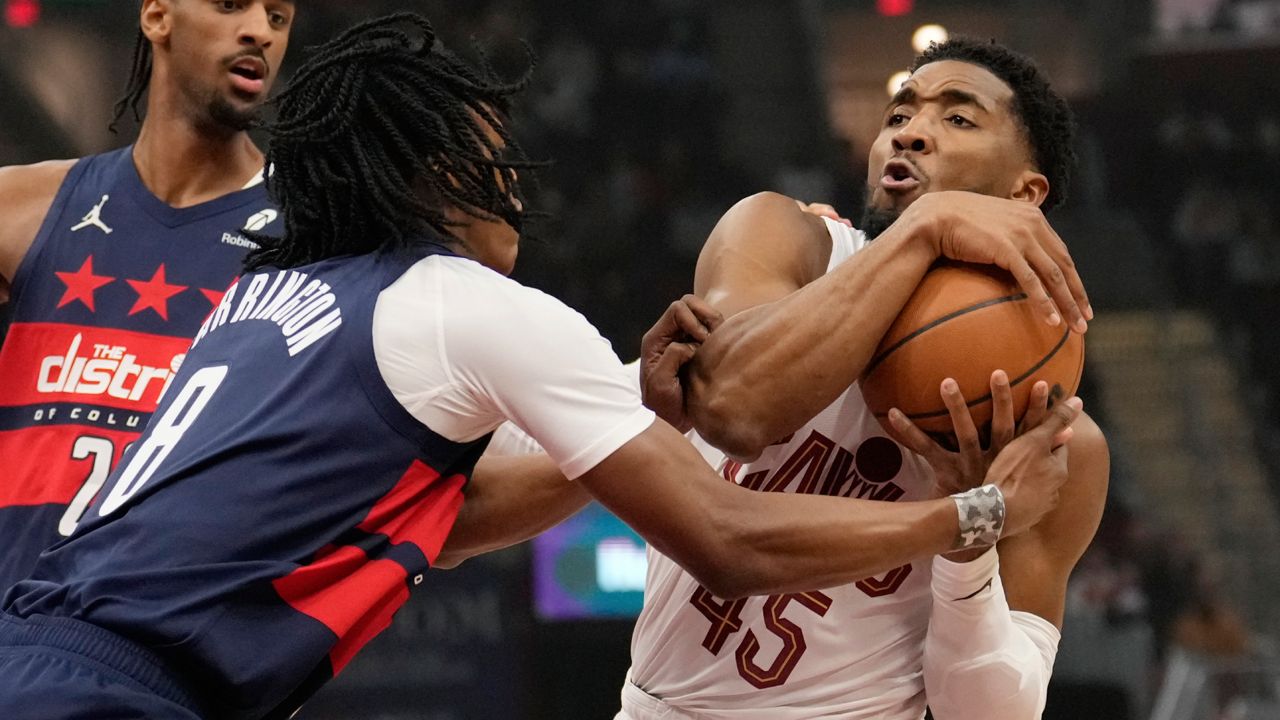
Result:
x=139 y=81
x=377 y=133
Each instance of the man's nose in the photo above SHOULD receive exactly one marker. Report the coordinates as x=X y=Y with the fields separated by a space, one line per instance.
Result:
x=256 y=30
x=912 y=137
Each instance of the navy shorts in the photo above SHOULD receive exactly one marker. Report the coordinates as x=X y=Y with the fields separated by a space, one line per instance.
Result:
x=64 y=669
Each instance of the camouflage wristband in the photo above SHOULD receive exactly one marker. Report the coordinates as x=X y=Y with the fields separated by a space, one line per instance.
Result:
x=981 y=513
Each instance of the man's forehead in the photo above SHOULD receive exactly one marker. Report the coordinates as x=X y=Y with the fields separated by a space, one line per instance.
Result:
x=931 y=79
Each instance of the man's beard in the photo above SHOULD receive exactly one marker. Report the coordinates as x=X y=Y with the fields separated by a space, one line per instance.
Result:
x=875 y=220
x=223 y=114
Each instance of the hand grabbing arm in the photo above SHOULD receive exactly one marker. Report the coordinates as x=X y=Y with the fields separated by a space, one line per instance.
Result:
x=666 y=349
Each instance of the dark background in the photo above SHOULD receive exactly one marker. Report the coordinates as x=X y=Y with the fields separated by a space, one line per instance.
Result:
x=662 y=113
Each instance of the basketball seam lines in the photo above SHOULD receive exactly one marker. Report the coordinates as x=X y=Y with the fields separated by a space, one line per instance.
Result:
x=1012 y=383
x=875 y=361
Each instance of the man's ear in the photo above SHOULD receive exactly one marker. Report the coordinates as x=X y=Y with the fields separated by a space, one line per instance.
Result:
x=157 y=20
x=1030 y=187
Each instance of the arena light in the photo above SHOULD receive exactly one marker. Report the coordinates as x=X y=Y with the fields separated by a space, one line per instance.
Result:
x=926 y=34
x=894 y=8
x=895 y=82
x=21 y=13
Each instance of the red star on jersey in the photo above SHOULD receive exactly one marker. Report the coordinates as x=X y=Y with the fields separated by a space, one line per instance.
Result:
x=81 y=284
x=213 y=296
x=154 y=293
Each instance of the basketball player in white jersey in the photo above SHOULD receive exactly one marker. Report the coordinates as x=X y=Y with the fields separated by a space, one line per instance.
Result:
x=972 y=635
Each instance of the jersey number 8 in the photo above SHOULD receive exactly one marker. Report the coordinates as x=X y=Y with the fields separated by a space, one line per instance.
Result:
x=161 y=438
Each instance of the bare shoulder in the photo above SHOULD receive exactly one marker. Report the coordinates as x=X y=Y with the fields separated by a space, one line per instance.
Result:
x=763 y=238
x=29 y=183
x=28 y=192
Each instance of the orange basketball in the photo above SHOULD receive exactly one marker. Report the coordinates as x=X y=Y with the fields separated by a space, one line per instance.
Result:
x=966 y=321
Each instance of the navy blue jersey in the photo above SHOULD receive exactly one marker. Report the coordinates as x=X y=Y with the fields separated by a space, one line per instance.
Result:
x=103 y=308
x=280 y=505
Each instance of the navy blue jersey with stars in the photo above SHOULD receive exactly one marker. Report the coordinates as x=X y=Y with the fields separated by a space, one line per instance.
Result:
x=277 y=510
x=103 y=308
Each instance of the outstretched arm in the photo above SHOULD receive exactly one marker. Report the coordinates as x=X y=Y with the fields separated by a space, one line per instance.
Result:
x=575 y=401
x=738 y=542
x=509 y=500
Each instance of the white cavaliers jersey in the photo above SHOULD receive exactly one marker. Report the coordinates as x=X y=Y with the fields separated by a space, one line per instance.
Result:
x=853 y=651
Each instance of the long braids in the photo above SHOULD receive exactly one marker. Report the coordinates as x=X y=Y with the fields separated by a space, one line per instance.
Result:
x=377 y=132
x=139 y=80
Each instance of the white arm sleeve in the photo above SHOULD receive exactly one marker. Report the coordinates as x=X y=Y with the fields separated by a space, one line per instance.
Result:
x=982 y=660
x=464 y=349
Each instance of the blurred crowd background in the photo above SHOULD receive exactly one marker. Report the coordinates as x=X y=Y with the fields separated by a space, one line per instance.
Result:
x=660 y=114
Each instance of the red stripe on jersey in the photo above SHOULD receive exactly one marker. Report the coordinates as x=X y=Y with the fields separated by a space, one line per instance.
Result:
x=353 y=596
x=57 y=363
x=420 y=509
x=41 y=464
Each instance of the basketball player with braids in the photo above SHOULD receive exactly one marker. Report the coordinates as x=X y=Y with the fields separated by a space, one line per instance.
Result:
x=111 y=262
x=305 y=466
x=974 y=148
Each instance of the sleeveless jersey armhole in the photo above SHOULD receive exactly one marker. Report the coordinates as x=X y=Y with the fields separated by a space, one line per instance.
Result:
x=51 y=220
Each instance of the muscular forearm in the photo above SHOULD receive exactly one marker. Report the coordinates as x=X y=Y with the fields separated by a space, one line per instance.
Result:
x=807 y=347
x=820 y=542
x=980 y=659
x=508 y=501
x=739 y=542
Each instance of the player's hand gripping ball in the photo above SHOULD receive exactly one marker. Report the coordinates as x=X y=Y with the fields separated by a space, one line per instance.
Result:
x=965 y=322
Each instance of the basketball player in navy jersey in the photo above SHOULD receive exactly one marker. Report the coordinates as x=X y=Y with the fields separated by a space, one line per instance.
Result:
x=806 y=301
x=308 y=461
x=111 y=262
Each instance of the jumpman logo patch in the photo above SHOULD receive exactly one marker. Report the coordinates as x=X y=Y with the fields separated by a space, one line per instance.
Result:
x=94 y=218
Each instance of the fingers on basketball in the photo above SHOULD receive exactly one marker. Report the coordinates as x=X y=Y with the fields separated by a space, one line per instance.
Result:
x=966 y=321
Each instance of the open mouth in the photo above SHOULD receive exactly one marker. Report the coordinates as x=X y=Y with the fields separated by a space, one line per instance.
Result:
x=899 y=176
x=248 y=75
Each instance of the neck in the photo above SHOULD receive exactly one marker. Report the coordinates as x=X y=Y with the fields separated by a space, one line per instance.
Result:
x=185 y=164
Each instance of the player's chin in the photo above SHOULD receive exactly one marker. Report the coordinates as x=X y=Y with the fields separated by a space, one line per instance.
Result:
x=899 y=200
x=236 y=113
x=246 y=103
